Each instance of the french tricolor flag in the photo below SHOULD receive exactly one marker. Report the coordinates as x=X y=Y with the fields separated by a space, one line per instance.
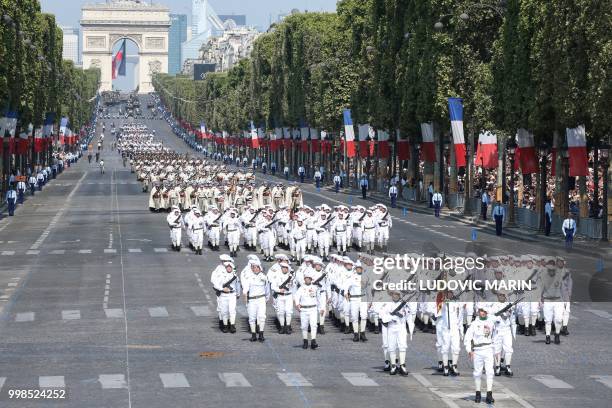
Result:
x=383 y=144
x=304 y=134
x=364 y=134
x=576 y=146
x=526 y=152
x=254 y=137
x=428 y=149
x=349 y=133
x=314 y=140
x=119 y=62
x=455 y=108
x=486 y=154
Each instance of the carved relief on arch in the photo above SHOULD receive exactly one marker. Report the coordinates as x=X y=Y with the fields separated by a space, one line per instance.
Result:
x=134 y=37
x=95 y=63
x=155 y=67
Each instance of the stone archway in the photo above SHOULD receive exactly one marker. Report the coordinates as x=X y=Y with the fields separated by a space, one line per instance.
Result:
x=103 y=25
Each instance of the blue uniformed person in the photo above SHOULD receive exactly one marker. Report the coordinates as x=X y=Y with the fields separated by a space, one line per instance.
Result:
x=11 y=200
x=364 y=186
x=301 y=173
x=21 y=188
x=317 y=177
x=499 y=213
x=337 y=182
x=273 y=168
x=32 y=183
x=264 y=167
x=286 y=172
x=430 y=191
x=484 y=204
x=437 y=203
x=569 y=230
x=548 y=210
x=393 y=195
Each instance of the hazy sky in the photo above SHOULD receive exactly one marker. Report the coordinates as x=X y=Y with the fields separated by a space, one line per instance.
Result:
x=68 y=12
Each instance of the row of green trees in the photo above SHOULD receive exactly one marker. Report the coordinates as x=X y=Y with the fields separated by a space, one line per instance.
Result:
x=532 y=64
x=33 y=77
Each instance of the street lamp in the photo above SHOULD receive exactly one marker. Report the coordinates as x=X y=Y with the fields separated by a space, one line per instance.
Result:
x=417 y=171
x=604 y=151
x=511 y=149
x=565 y=188
x=444 y=161
x=467 y=209
x=543 y=149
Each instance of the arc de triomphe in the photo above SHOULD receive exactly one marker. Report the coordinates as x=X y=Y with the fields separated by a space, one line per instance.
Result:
x=105 y=24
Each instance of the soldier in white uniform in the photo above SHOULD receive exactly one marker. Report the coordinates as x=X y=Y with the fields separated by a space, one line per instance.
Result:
x=566 y=292
x=232 y=228
x=553 y=306
x=321 y=281
x=357 y=304
x=257 y=293
x=505 y=323
x=227 y=288
x=298 y=237
x=369 y=232
x=307 y=303
x=213 y=227
x=393 y=317
x=175 y=222
x=197 y=231
x=478 y=340
x=282 y=287
x=448 y=333
x=340 y=228
x=217 y=274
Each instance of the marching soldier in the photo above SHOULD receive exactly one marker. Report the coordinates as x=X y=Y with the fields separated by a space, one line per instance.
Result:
x=282 y=287
x=478 y=341
x=232 y=227
x=320 y=280
x=257 y=293
x=217 y=274
x=298 y=236
x=357 y=302
x=553 y=306
x=307 y=303
x=32 y=182
x=340 y=227
x=227 y=288
x=393 y=317
x=448 y=333
x=197 y=231
x=505 y=322
x=175 y=222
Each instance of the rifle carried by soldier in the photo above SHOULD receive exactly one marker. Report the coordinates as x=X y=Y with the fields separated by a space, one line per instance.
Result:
x=283 y=285
x=226 y=284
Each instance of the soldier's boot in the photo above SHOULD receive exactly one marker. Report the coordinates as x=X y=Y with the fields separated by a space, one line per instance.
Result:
x=450 y=363
x=547 y=339
x=454 y=370
x=347 y=329
x=220 y=324
x=261 y=337
x=440 y=366
x=533 y=331
x=527 y=330
x=477 y=398
x=509 y=372
x=445 y=373
x=376 y=329
x=321 y=329
x=497 y=371
x=253 y=337
x=313 y=344
x=393 y=369
x=387 y=366
x=564 y=331
x=403 y=370
x=520 y=329
x=224 y=328
x=282 y=329
x=362 y=337
x=355 y=337
x=557 y=339
x=305 y=344
x=232 y=328
x=288 y=329
x=489 y=399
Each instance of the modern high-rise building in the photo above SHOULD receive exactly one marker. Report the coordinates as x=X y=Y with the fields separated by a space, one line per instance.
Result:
x=176 y=37
x=204 y=24
x=71 y=45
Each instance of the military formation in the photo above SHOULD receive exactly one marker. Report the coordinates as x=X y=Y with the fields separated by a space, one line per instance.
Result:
x=210 y=202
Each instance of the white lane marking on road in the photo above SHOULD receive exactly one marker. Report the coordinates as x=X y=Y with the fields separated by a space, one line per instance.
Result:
x=84 y=251
x=294 y=380
x=604 y=379
x=202 y=287
x=25 y=317
x=514 y=396
x=552 y=382
x=110 y=251
x=33 y=252
x=427 y=384
x=71 y=314
x=158 y=311
x=422 y=380
x=600 y=313
x=12 y=284
x=8 y=253
x=58 y=252
x=114 y=313
x=134 y=250
x=51 y=381
x=160 y=249
x=2 y=381
x=201 y=310
x=111 y=381
x=359 y=380
x=174 y=380
x=234 y=380
x=57 y=216
x=106 y=291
